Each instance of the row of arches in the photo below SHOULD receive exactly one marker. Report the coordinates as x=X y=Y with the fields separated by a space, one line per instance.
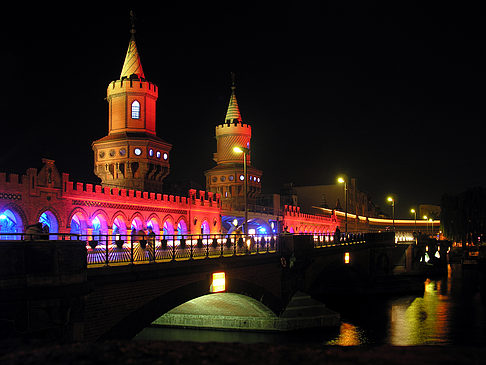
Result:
x=13 y=220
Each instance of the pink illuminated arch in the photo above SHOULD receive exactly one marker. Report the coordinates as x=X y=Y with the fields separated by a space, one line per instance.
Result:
x=205 y=228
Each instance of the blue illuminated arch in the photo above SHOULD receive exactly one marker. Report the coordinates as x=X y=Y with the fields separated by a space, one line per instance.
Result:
x=10 y=222
x=49 y=220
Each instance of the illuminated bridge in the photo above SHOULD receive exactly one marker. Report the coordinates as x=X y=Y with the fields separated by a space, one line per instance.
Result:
x=87 y=292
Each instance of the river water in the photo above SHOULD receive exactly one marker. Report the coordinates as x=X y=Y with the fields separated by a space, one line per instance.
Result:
x=450 y=311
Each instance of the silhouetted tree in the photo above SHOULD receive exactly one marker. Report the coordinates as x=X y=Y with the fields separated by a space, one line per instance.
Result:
x=463 y=216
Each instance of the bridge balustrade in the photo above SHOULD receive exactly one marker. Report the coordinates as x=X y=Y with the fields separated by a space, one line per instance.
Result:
x=104 y=250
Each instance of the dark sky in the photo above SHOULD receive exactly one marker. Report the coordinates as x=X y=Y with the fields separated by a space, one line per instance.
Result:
x=392 y=94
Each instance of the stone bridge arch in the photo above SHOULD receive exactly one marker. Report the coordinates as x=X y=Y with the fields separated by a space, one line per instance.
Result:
x=135 y=305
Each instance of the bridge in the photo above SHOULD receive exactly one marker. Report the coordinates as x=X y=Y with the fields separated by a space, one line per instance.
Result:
x=77 y=290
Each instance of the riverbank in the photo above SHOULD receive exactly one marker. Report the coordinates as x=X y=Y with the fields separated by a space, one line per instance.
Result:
x=157 y=352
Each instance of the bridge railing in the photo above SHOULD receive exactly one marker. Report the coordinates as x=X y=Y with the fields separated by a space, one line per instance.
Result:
x=330 y=239
x=123 y=249
x=119 y=249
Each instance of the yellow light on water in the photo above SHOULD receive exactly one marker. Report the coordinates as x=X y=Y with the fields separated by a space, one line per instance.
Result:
x=346 y=257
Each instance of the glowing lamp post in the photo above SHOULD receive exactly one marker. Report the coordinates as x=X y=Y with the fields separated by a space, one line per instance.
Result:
x=244 y=151
x=392 y=201
x=343 y=181
x=414 y=212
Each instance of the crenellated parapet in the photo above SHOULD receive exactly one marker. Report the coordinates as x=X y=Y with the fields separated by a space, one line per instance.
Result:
x=128 y=98
x=298 y=222
x=229 y=135
x=44 y=194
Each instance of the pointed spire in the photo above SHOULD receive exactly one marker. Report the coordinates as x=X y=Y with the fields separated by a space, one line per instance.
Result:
x=233 y=112
x=132 y=64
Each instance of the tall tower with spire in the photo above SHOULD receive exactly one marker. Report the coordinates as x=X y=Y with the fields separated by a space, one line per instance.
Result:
x=131 y=156
x=227 y=177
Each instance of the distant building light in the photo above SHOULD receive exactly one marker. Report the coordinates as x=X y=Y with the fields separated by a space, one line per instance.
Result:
x=218 y=282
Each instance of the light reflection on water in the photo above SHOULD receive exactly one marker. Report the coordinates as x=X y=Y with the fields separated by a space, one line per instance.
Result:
x=349 y=335
x=449 y=312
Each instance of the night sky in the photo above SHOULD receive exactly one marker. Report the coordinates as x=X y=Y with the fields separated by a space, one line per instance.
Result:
x=391 y=94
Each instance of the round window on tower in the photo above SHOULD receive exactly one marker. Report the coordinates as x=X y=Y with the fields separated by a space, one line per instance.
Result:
x=166 y=156
x=112 y=153
x=102 y=154
x=151 y=152
x=242 y=178
x=231 y=178
x=223 y=178
x=137 y=151
x=123 y=152
x=158 y=154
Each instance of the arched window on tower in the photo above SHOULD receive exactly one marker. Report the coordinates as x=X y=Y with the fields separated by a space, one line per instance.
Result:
x=135 y=110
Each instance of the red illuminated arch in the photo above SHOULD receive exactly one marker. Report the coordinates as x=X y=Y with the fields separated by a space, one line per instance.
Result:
x=168 y=225
x=120 y=215
x=154 y=222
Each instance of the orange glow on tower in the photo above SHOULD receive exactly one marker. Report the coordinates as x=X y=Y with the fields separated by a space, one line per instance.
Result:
x=131 y=156
x=227 y=177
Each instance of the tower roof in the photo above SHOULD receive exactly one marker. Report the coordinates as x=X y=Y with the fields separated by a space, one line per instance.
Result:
x=132 y=64
x=233 y=112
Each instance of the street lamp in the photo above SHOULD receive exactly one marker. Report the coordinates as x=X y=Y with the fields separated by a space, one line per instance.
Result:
x=413 y=211
x=426 y=224
x=341 y=180
x=392 y=201
x=244 y=151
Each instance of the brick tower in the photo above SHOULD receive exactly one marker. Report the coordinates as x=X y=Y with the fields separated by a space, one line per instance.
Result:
x=131 y=156
x=227 y=177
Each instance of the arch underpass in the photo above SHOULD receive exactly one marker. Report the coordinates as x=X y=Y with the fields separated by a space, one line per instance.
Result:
x=221 y=310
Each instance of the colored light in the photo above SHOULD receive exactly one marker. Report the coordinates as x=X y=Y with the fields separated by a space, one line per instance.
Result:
x=340 y=180
x=3 y=216
x=346 y=257
x=235 y=222
x=218 y=282
x=237 y=149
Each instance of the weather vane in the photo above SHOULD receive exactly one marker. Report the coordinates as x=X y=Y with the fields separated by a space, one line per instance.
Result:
x=132 y=22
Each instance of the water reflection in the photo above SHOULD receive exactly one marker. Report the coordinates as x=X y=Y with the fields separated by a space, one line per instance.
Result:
x=349 y=335
x=424 y=321
x=450 y=311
